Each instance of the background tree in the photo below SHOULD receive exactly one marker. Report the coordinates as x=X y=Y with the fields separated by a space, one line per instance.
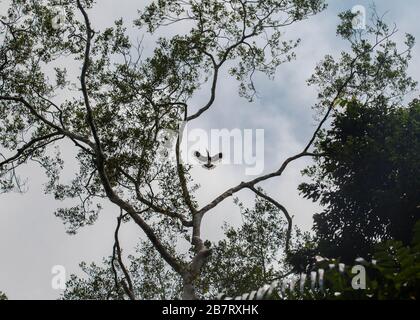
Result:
x=392 y=274
x=368 y=179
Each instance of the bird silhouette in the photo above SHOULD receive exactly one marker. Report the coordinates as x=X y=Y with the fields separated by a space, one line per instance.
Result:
x=208 y=160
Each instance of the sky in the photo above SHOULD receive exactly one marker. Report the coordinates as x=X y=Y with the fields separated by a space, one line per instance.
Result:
x=33 y=240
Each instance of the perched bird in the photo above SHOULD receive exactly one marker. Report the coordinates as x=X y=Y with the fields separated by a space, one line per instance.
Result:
x=208 y=160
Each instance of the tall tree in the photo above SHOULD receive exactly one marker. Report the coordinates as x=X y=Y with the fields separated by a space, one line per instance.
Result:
x=114 y=110
x=123 y=102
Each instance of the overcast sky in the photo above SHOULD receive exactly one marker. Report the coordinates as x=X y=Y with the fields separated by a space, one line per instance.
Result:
x=33 y=240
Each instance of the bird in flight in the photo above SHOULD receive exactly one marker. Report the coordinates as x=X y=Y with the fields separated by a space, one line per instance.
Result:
x=208 y=160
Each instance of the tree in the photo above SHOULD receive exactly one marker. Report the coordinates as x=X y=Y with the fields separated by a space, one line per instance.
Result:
x=247 y=256
x=368 y=179
x=123 y=101
x=150 y=278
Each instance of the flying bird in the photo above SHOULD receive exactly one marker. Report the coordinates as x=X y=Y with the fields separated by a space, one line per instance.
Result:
x=208 y=160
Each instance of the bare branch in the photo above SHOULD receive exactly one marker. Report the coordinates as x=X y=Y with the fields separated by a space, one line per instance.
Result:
x=40 y=117
x=28 y=145
x=153 y=206
x=183 y=181
x=285 y=212
x=89 y=118
x=129 y=289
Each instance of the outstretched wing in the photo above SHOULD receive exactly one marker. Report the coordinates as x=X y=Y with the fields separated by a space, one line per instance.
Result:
x=216 y=157
x=200 y=157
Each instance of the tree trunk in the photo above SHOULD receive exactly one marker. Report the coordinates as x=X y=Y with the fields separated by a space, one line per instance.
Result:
x=188 y=291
